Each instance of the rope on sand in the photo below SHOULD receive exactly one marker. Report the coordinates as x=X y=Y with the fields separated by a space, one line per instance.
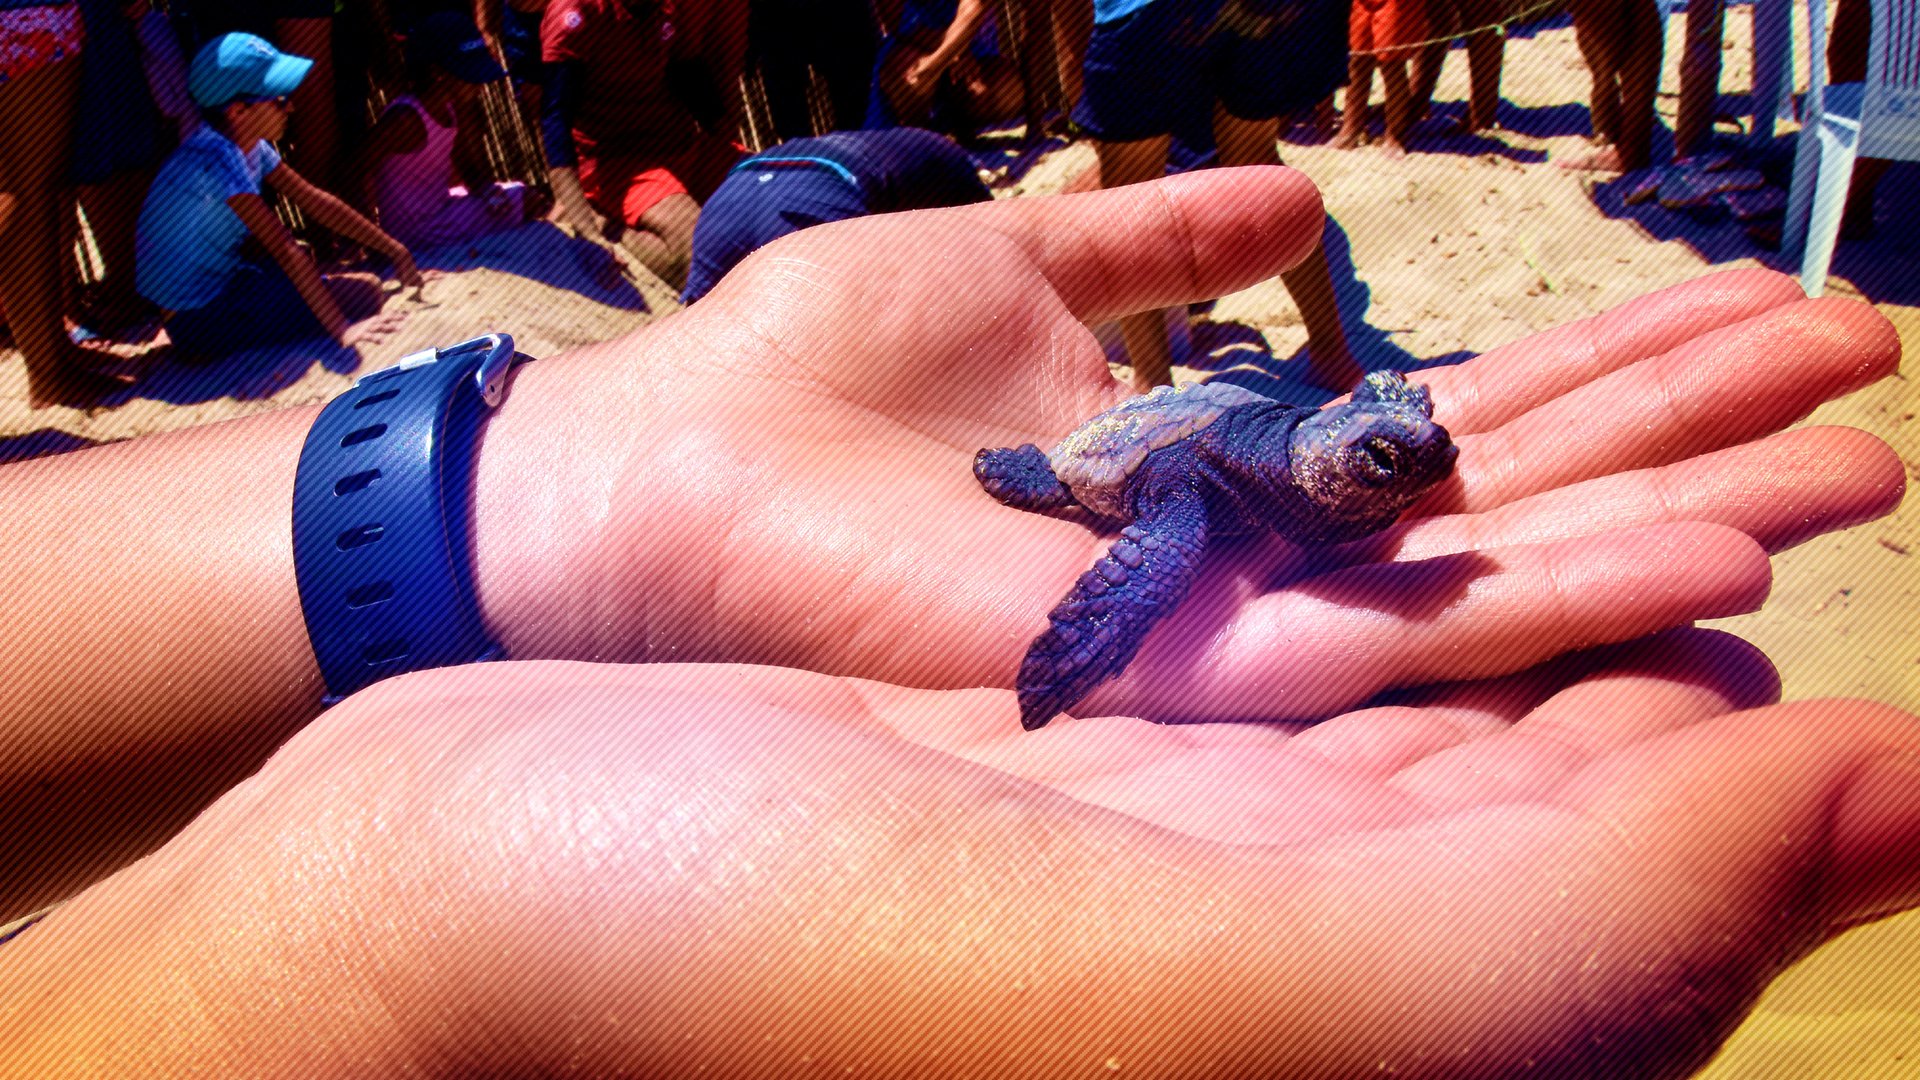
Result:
x=1497 y=26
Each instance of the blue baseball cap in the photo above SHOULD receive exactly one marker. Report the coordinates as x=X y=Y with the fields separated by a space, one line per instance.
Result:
x=448 y=39
x=236 y=66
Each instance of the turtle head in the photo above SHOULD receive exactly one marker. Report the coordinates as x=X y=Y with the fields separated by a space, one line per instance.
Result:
x=1363 y=462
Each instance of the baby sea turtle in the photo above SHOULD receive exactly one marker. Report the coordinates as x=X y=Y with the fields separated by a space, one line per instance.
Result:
x=1181 y=465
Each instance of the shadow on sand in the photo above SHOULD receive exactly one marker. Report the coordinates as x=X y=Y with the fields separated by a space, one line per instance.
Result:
x=1238 y=353
x=1885 y=268
x=538 y=252
x=42 y=443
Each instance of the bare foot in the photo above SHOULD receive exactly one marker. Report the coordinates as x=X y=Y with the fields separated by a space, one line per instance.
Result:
x=1392 y=147
x=1603 y=159
x=1455 y=126
x=1347 y=139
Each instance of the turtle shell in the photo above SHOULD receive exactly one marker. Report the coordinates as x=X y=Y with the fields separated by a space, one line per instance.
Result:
x=1097 y=458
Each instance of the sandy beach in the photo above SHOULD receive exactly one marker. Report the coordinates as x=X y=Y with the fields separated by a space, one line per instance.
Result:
x=1465 y=244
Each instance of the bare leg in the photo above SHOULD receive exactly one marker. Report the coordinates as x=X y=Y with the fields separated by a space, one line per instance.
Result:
x=1353 y=124
x=1393 y=75
x=1443 y=17
x=1486 y=52
x=1596 y=30
x=36 y=112
x=1427 y=66
x=1330 y=362
x=316 y=126
x=1639 y=82
x=663 y=239
x=1145 y=334
x=1699 y=75
x=1072 y=26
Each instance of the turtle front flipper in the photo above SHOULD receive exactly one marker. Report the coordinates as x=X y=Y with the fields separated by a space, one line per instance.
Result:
x=1022 y=478
x=1098 y=628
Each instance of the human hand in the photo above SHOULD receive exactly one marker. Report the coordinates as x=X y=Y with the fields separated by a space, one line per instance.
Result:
x=404 y=269
x=371 y=330
x=1590 y=869
x=808 y=429
x=922 y=72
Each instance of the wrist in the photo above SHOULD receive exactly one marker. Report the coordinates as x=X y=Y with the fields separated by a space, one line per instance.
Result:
x=549 y=463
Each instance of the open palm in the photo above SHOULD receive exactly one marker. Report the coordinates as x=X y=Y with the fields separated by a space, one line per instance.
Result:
x=1588 y=869
x=809 y=429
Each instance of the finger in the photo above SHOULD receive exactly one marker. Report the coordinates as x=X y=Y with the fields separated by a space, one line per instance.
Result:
x=1782 y=491
x=1718 y=390
x=1809 y=811
x=1412 y=726
x=1637 y=691
x=1326 y=643
x=1174 y=241
x=1502 y=384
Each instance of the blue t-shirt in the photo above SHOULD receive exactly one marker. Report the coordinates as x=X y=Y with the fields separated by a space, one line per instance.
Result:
x=805 y=182
x=189 y=240
x=1106 y=11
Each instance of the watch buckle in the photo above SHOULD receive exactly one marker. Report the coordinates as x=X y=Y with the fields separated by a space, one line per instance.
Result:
x=489 y=379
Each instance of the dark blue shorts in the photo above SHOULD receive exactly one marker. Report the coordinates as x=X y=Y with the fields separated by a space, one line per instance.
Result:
x=260 y=306
x=1161 y=68
x=754 y=207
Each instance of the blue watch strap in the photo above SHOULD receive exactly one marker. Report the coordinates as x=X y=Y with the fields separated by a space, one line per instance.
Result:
x=381 y=511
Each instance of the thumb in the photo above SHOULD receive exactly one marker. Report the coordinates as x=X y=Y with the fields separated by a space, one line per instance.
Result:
x=1807 y=811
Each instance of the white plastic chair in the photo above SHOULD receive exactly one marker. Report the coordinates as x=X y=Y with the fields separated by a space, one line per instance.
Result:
x=1878 y=118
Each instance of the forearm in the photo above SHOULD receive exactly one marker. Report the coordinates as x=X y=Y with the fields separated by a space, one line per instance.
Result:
x=966 y=23
x=328 y=209
x=156 y=648
x=154 y=644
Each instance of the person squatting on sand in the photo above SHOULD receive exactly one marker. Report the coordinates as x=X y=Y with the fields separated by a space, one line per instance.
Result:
x=205 y=211
x=1578 y=838
x=805 y=182
x=423 y=168
x=1154 y=66
x=619 y=143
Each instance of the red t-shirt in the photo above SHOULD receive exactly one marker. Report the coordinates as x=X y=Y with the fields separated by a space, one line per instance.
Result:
x=623 y=106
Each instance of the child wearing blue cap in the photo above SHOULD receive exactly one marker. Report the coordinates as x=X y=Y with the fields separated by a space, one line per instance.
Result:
x=205 y=220
x=423 y=169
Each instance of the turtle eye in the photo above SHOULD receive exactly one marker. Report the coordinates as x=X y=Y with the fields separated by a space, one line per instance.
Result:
x=1377 y=462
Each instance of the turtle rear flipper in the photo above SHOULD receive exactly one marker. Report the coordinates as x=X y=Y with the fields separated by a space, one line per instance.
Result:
x=1098 y=628
x=1021 y=477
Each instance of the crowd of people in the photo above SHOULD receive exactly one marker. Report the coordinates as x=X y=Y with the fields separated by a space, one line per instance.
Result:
x=166 y=129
